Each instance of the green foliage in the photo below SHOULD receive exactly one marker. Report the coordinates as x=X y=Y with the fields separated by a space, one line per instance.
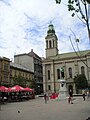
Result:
x=58 y=1
x=79 y=8
x=33 y=84
x=72 y=7
x=72 y=1
x=80 y=81
x=76 y=7
x=88 y=1
x=20 y=81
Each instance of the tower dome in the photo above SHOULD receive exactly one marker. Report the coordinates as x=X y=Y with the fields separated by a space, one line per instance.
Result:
x=51 y=29
x=51 y=42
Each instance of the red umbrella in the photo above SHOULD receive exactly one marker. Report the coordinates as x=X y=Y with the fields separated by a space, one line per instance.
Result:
x=16 y=88
x=9 y=89
x=3 y=89
x=28 y=89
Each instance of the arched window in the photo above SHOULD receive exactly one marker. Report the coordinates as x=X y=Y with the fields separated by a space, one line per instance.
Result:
x=53 y=42
x=46 y=44
x=48 y=74
x=50 y=45
x=70 y=72
x=49 y=87
x=58 y=73
x=82 y=70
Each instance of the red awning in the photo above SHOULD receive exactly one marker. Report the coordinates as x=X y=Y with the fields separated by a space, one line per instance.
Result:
x=16 y=88
x=28 y=89
x=3 y=89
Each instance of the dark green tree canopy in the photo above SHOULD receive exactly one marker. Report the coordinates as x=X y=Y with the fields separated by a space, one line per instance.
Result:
x=20 y=81
x=80 y=81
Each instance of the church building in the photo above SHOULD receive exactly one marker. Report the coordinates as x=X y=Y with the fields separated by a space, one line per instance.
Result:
x=62 y=66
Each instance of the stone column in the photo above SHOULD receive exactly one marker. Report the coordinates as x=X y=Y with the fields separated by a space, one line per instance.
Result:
x=44 y=80
x=52 y=77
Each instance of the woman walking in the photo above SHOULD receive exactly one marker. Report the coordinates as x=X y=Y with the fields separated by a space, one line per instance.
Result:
x=45 y=98
x=70 y=97
x=83 y=95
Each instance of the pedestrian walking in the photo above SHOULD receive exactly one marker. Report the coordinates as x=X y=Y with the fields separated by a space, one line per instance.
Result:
x=83 y=95
x=87 y=95
x=45 y=98
x=70 y=97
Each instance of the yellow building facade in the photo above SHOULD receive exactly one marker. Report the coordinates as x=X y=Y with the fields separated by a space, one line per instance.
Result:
x=4 y=71
x=19 y=72
x=10 y=71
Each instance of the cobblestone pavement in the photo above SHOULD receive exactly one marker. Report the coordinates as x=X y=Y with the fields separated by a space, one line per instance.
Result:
x=54 y=110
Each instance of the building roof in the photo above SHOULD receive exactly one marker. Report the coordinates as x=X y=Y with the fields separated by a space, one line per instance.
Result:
x=21 y=54
x=70 y=55
x=34 y=55
x=5 y=59
x=30 y=54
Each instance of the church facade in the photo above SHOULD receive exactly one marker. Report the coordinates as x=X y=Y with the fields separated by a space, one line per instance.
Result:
x=62 y=66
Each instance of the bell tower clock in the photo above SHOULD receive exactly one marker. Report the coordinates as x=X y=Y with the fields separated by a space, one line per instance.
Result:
x=51 y=42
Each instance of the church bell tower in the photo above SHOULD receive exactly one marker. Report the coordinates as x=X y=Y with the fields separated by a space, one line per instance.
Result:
x=51 y=42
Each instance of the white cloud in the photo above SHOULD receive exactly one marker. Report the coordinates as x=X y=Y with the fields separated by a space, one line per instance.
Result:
x=24 y=24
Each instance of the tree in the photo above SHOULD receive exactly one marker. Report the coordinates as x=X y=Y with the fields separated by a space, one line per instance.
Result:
x=33 y=84
x=20 y=81
x=58 y=1
x=79 y=8
x=80 y=81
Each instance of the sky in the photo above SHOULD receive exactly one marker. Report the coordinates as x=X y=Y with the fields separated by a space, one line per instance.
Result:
x=24 y=25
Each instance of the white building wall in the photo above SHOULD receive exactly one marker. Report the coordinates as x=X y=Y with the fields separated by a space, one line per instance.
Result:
x=88 y=62
x=26 y=61
x=44 y=79
x=70 y=65
x=85 y=68
x=75 y=64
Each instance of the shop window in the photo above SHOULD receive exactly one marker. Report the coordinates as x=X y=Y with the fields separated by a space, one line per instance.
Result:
x=82 y=70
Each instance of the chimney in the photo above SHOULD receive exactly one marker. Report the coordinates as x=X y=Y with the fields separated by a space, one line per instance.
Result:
x=31 y=50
